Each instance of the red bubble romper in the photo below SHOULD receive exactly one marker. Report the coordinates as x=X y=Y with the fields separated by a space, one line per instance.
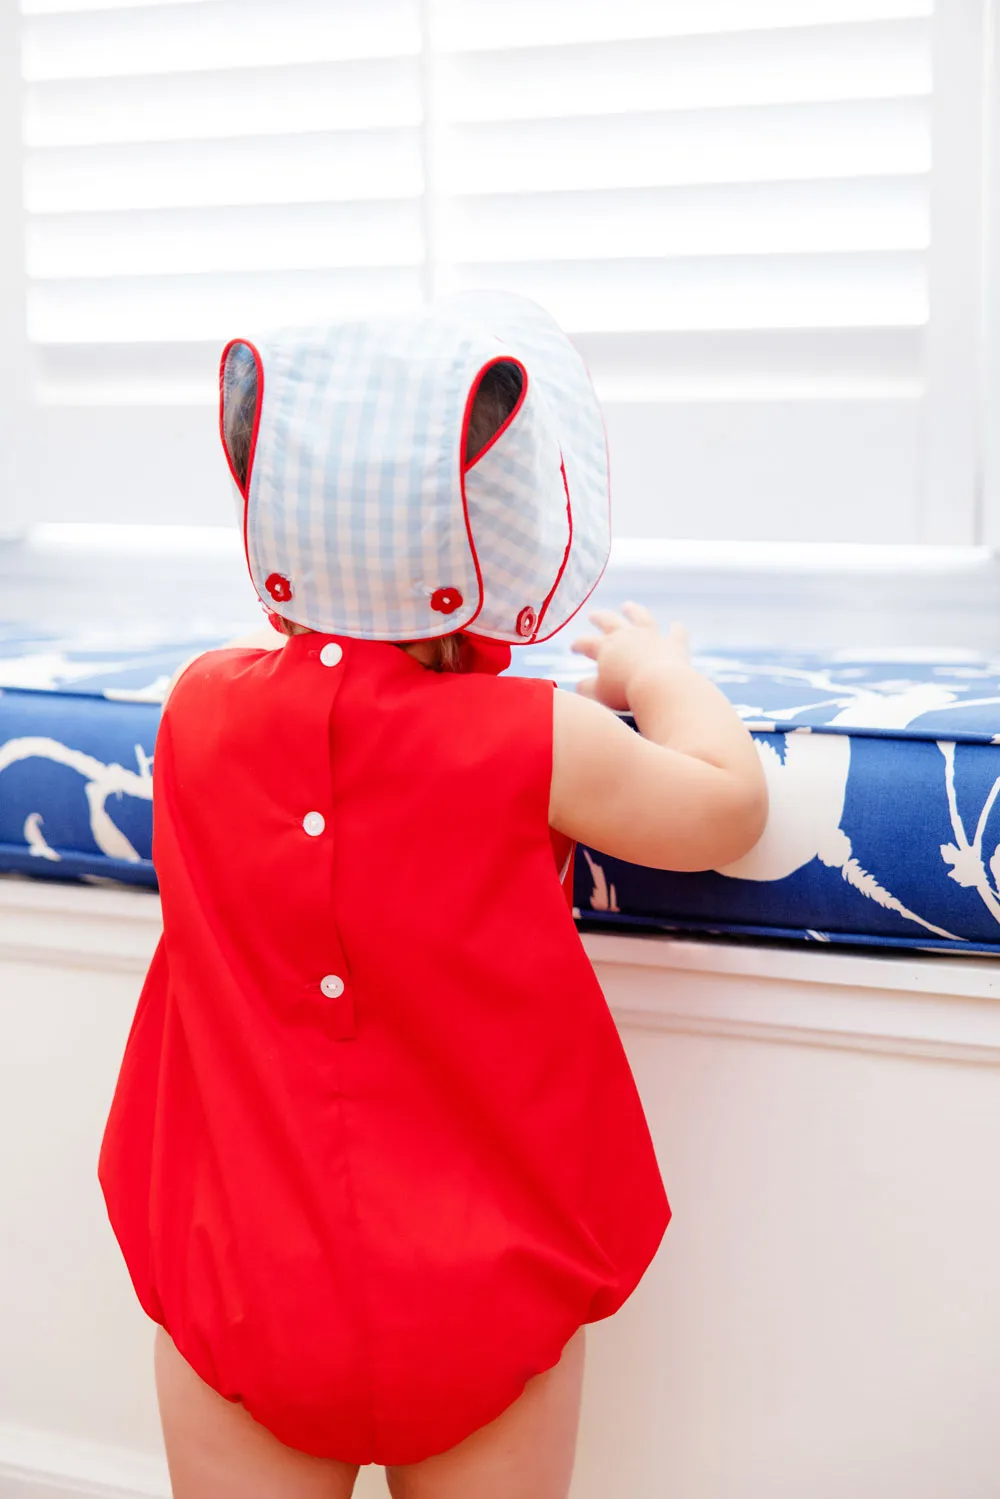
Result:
x=375 y=1152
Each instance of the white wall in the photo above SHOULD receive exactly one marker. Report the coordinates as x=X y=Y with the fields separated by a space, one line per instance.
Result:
x=824 y=1317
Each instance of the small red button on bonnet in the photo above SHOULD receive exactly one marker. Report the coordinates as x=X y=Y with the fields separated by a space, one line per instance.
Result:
x=446 y=600
x=279 y=588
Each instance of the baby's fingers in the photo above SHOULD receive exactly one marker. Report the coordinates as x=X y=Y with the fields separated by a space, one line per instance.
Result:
x=587 y=687
x=588 y=645
x=607 y=620
x=638 y=614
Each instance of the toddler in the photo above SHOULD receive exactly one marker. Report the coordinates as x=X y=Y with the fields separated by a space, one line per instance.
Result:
x=376 y=1156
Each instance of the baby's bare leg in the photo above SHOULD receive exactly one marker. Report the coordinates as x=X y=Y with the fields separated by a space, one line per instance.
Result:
x=526 y=1453
x=217 y=1451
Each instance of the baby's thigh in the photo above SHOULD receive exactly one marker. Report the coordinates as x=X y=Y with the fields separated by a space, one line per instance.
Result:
x=528 y=1451
x=216 y=1450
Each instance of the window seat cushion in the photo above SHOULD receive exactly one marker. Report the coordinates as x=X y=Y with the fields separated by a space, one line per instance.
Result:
x=884 y=773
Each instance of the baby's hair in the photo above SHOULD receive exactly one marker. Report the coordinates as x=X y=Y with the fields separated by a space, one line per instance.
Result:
x=239 y=409
x=496 y=396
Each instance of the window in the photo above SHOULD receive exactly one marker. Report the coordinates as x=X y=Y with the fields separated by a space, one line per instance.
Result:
x=761 y=219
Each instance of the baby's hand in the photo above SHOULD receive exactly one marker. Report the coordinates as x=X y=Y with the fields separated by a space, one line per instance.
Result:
x=687 y=791
x=629 y=645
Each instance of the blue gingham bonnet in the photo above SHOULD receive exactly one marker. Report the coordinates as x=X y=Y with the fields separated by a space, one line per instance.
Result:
x=361 y=517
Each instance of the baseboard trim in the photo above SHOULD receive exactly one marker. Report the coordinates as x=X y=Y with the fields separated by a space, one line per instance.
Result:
x=45 y=1465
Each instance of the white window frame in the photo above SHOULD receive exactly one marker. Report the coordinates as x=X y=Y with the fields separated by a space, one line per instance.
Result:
x=989 y=405
x=16 y=404
x=951 y=464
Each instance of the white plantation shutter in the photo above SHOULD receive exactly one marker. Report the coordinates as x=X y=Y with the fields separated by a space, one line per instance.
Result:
x=729 y=203
x=193 y=168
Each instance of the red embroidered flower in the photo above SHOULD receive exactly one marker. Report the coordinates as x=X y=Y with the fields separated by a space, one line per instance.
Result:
x=279 y=588
x=446 y=600
x=526 y=621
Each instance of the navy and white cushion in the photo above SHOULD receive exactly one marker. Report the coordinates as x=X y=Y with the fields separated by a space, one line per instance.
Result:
x=884 y=775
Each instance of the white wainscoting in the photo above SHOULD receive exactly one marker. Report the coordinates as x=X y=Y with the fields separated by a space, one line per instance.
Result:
x=823 y=1321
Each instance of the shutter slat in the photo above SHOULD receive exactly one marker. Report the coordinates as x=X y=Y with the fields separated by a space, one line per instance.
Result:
x=186 y=241
x=467 y=24
x=275 y=169
x=169 y=309
x=68 y=7
x=192 y=106
x=885 y=61
x=742 y=363
x=215 y=34
x=873 y=139
x=752 y=218
x=785 y=291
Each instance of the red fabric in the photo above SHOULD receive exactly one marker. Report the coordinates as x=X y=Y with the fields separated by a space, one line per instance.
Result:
x=371 y=1218
x=477 y=653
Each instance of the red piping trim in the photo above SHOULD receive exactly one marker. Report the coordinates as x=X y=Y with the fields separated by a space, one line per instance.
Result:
x=562 y=566
x=539 y=639
x=536 y=638
x=462 y=470
x=503 y=359
x=244 y=491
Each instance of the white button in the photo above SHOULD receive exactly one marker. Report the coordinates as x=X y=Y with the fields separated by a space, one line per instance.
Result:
x=332 y=986
x=332 y=654
x=314 y=823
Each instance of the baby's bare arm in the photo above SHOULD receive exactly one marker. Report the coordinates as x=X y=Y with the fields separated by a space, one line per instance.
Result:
x=686 y=793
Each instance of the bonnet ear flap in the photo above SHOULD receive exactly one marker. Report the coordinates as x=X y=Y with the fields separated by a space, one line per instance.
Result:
x=241 y=391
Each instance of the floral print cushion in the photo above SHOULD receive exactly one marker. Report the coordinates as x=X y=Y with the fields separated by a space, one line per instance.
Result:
x=884 y=777
x=78 y=722
x=884 y=773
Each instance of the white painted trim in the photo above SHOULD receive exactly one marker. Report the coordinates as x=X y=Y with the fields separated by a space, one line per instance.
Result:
x=917 y=1006
x=903 y=1003
x=953 y=438
x=16 y=408
x=991 y=292
x=657 y=554
x=76 y=926
x=893 y=972
x=44 y=1465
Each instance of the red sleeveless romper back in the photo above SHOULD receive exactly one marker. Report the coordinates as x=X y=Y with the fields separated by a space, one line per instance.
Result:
x=375 y=1151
